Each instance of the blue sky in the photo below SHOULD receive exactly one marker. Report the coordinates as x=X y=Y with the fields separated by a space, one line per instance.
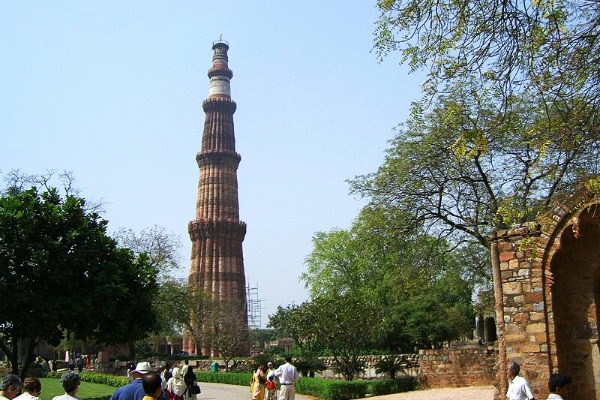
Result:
x=112 y=91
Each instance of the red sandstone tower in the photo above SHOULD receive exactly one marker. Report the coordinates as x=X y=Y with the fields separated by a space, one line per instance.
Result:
x=217 y=263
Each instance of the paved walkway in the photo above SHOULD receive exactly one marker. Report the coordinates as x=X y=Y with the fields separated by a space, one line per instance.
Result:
x=218 y=391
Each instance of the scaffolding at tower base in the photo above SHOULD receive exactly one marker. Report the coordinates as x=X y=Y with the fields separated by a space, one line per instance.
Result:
x=254 y=308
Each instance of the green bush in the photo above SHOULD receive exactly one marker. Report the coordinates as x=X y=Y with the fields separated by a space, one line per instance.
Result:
x=228 y=378
x=328 y=389
x=389 y=386
x=92 y=377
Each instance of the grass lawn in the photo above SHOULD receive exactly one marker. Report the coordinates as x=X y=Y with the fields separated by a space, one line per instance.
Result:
x=51 y=387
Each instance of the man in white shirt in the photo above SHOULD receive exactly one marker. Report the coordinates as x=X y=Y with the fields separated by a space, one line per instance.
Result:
x=287 y=375
x=518 y=388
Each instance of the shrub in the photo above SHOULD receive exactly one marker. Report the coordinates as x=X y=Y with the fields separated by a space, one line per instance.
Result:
x=389 y=386
x=228 y=378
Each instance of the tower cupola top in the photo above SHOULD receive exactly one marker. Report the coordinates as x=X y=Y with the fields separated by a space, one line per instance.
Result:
x=220 y=74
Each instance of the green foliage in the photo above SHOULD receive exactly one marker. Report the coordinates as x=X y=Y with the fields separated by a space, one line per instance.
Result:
x=539 y=46
x=291 y=322
x=389 y=270
x=389 y=365
x=162 y=251
x=229 y=378
x=102 y=379
x=510 y=116
x=328 y=389
x=52 y=247
x=88 y=390
x=309 y=366
x=389 y=386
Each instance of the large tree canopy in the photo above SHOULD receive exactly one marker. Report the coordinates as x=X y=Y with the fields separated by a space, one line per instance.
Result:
x=549 y=47
x=376 y=262
x=470 y=164
x=60 y=272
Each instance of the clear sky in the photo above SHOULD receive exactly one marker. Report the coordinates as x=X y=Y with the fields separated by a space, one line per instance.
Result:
x=112 y=91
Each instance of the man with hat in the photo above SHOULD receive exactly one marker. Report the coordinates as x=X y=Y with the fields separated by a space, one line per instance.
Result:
x=135 y=390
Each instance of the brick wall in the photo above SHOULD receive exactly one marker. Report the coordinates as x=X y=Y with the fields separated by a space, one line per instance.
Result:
x=457 y=367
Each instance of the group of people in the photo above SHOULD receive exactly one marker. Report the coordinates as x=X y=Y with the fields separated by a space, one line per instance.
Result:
x=175 y=383
x=181 y=384
x=11 y=387
x=518 y=388
x=263 y=385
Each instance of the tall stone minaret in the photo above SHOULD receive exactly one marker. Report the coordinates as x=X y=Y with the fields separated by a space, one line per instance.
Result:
x=217 y=262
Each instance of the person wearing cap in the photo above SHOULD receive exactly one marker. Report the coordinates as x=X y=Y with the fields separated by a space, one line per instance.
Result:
x=10 y=387
x=271 y=384
x=32 y=387
x=135 y=390
x=70 y=383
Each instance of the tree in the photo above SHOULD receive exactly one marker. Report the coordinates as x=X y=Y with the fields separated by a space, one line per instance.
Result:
x=378 y=263
x=290 y=322
x=223 y=331
x=57 y=268
x=162 y=249
x=514 y=88
x=470 y=164
x=347 y=327
x=549 y=48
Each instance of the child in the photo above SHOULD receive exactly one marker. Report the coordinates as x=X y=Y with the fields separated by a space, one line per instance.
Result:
x=152 y=383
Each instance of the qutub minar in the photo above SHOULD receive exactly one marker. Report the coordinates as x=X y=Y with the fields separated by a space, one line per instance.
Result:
x=217 y=262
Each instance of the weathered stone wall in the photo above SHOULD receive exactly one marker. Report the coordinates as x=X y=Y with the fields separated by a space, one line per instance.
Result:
x=523 y=312
x=457 y=367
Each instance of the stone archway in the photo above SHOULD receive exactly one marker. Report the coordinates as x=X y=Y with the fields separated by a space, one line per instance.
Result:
x=547 y=289
x=575 y=289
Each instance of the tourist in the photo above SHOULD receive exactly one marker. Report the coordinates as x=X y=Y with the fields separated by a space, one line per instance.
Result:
x=152 y=384
x=257 y=384
x=134 y=390
x=271 y=383
x=287 y=375
x=556 y=385
x=184 y=367
x=176 y=386
x=70 y=383
x=518 y=388
x=191 y=384
x=10 y=387
x=32 y=387
x=80 y=363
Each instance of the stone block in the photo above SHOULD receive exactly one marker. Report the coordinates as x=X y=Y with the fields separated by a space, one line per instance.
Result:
x=536 y=328
x=512 y=288
x=536 y=316
x=513 y=264
x=506 y=256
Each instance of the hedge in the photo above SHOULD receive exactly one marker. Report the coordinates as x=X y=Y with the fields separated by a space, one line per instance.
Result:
x=104 y=379
x=324 y=389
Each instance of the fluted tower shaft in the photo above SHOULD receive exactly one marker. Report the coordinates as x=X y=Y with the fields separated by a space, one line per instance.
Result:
x=217 y=262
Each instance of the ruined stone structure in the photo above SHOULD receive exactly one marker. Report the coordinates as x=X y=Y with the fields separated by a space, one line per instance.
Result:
x=217 y=263
x=546 y=284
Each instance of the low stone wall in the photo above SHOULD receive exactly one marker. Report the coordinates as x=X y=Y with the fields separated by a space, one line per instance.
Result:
x=457 y=367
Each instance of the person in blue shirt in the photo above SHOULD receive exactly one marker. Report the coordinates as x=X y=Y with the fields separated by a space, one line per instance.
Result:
x=134 y=390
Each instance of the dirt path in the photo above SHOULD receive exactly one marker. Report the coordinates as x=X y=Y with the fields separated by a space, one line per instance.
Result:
x=216 y=391
x=475 y=393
